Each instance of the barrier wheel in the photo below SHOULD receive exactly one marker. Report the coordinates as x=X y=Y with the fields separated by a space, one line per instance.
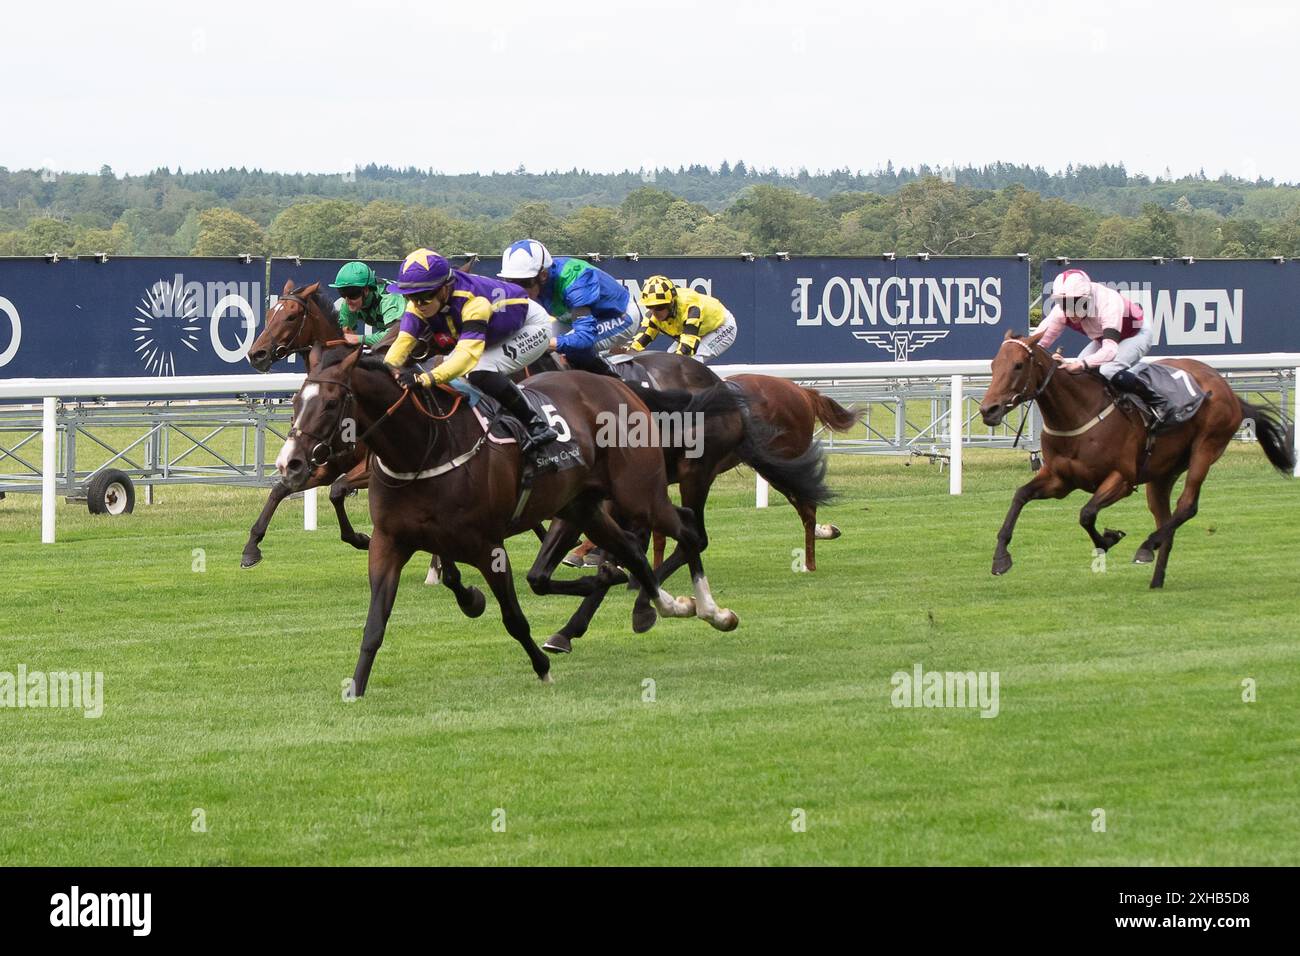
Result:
x=110 y=493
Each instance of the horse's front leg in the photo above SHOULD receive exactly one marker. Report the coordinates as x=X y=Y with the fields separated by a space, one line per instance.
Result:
x=387 y=559
x=495 y=567
x=252 y=553
x=1045 y=484
x=469 y=599
x=356 y=479
x=1115 y=487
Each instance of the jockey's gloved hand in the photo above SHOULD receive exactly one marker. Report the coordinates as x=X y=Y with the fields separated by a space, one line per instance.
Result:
x=410 y=378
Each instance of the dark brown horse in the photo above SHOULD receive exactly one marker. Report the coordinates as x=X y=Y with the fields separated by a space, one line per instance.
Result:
x=438 y=485
x=790 y=413
x=1091 y=443
x=731 y=435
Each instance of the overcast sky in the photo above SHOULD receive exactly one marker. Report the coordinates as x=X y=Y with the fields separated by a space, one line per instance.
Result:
x=483 y=86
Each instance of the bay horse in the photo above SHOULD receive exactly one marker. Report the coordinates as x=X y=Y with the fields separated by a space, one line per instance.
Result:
x=300 y=319
x=442 y=487
x=1086 y=446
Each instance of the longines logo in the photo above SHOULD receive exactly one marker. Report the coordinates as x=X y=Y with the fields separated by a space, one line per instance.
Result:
x=900 y=344
x=898 y=303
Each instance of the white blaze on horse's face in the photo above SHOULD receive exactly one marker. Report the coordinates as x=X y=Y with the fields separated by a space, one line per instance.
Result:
x=305 y=397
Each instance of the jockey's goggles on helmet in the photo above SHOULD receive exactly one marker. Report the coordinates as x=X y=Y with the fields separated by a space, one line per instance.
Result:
x=353 y=292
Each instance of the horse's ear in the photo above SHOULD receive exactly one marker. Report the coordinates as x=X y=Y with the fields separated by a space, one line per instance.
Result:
x=314 y=356
x=288 y=287
x=309 y=291
x=1033 y=339
x=350 y=362
x=1010 y=335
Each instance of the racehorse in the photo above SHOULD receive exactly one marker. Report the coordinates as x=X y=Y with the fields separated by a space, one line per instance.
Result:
x=442 y=487
x=790 y=410
x=1086 y=446
x=301 y=318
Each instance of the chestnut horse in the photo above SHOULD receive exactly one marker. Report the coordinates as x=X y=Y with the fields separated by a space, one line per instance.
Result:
x=437 y=485
x=1093 y=443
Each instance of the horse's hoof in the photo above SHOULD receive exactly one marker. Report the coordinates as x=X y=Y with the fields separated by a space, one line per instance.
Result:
x=1002 y=564
x=826 y=532
x=433 y=578
x=643 y=618
x=474 y=604
x=546 y=678
x=361 y=542
x=250 y=560
x=725 y=620
x=1110 y=537
x=1144 y=556
x=558 y=644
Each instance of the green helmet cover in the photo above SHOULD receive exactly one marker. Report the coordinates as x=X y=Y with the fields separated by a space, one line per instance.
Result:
x=355 y=274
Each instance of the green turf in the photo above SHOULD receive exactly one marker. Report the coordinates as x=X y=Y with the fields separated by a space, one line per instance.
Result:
x=223 y=693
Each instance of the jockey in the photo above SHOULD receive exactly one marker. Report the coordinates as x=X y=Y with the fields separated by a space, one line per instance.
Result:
x=1120 y=336
x=597 y=307
x=700 y=323
x=360 y=301
x=494 y=327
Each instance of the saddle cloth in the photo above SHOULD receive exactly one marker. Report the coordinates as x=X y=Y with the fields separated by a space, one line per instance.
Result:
x=1180 y=396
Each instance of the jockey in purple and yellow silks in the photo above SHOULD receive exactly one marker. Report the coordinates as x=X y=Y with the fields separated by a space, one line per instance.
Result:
x=490 y=327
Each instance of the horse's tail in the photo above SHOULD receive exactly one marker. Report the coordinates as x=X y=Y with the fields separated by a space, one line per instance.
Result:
x=831 y=413
x=1272 y=436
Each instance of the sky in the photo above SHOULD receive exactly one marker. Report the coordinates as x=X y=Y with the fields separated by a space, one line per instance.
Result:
x=490 y=86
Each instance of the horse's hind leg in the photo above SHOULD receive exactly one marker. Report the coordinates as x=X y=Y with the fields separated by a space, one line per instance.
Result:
x=564 y=534
x=469 y=599
x=625 y=549
x=1115 y=487
x=1158 y=490
x=386 y=563
x=705 y=607
x=252 y=553
x=1203 y=456
x=495 y=566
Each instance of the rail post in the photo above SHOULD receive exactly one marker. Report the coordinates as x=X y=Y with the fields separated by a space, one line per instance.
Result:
x=956 y=422
x=49 y=466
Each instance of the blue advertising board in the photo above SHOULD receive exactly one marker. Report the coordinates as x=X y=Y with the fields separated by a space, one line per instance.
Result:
x=819 y=309
x=83 y=318
x=1207 y=306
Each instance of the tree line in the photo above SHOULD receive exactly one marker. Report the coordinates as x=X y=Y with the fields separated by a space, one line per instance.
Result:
x=376 y=212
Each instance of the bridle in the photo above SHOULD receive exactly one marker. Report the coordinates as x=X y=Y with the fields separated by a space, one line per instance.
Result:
x=1020 y=396
x=324 y=450
x=296 y=346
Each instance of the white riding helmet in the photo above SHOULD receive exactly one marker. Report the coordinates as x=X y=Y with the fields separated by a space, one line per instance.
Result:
x=524 y=259
x=1071 y=284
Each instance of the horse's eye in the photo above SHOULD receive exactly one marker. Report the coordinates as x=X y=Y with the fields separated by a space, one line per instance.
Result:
x=332 y=403
x=1019 y=366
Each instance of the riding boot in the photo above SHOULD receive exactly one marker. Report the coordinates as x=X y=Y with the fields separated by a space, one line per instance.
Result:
x=1126 y=381
x=512 y=400
x=589 y=360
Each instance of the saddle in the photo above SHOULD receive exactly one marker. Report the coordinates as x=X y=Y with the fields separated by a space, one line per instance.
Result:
x=504 y=428
x=1177 y=396
x=631 y=373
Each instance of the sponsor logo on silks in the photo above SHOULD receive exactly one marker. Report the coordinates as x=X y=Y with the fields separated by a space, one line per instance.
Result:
x=170 y=317
x=900 y=344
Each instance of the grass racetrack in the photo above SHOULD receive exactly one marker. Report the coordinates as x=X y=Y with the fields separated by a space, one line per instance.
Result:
x=223 y=694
